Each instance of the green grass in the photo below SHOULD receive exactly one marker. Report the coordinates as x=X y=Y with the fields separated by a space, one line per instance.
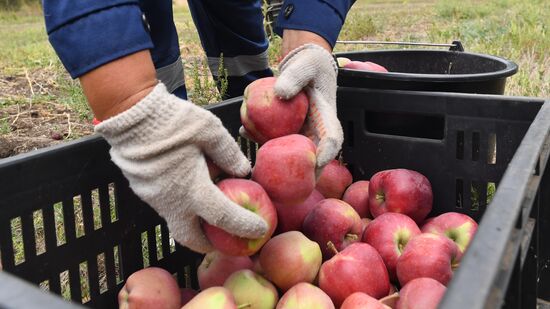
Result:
x=24 y=43
x=513 y=29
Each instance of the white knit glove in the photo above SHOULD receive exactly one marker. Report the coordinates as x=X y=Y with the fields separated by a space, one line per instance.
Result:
x=160 y=145
x=312 y=68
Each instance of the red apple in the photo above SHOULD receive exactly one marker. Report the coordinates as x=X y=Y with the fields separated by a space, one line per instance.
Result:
x=458 y=227
x=251 y=290
x=285 y=167
x=290 y=258
x=257 y=267
x=364 y=223
x=187 y=294
x=334 y=179
x=400 y=190
x=421 y=293
x=291 y=217
x=389 y=233
x=365 y=66
x=360 y=300
x=305 y=296
x=151 y=287
x=265 y=116
x=253 y=197
x=212 y=298
x=216 y=267
x=427 y=255
x=357 y=195
x=335 y=221
x=357 y=268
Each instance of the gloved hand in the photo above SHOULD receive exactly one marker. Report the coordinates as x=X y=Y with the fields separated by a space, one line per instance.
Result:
x=160 y=145
x=312 y=68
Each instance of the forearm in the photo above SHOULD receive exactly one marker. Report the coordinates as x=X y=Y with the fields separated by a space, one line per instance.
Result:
x=296 y=38
x=116 y=86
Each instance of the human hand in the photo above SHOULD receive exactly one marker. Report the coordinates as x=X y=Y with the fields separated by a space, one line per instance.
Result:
x=312 y=68
x=160 y=145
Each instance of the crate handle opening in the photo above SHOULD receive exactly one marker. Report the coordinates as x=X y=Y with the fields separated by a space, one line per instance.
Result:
x=406 y=124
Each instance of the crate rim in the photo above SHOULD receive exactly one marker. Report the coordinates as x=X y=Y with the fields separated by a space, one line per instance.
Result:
x=521 y=169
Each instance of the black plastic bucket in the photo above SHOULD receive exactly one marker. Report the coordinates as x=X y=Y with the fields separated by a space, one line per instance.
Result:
x=429 y=70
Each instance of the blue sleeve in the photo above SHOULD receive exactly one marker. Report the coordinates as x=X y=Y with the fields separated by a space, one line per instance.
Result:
x=86 y=34
x=323 y=17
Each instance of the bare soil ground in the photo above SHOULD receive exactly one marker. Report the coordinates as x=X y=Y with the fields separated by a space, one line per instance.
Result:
x=27 y=125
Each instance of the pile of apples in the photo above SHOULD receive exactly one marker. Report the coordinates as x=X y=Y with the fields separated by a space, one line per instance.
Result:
x=332 y=242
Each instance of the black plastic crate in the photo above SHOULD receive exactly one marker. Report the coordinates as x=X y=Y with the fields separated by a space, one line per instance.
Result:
x=463 y=143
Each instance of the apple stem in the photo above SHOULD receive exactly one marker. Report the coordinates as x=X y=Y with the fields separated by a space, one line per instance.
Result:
x=352 y=236
x=341 y=158
x=455 y=265
x=244 y=306
x=332 y=247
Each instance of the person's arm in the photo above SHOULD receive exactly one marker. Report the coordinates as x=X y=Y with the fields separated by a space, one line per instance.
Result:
x=158 y=140
x=118 y=85
x=295 y=38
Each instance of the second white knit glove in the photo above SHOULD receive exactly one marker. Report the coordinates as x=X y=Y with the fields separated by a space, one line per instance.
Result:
x=312 y=68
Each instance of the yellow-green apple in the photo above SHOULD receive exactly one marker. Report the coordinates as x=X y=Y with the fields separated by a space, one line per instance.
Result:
x=427 y=255
x=365 y=66
x=335 y=221
x=389 y=233
x=400 y=190
x=187 y=294
x=334 y=180
x=266 y=116
x=357 y=268
x=253 y=197
x=305 y=296
x=357 y=195
x=285 y=167
x=251 y=290
x=291 y=217
x=421 y=293
x=216 y=297
x=290 y=258
x=342 y=61
x=152 y=287
x=216 y=267
x=360 y=300
x=460 y=228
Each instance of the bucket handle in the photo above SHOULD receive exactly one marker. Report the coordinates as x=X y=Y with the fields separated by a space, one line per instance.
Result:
x=454 y=46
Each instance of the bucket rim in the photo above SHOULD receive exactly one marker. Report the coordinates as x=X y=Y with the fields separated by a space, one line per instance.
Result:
x=510 y=69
